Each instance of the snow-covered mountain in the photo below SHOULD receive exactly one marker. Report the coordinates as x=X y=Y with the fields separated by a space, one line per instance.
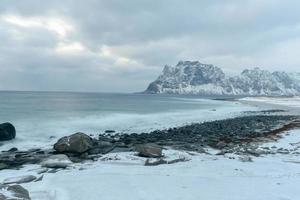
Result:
x=193 y=77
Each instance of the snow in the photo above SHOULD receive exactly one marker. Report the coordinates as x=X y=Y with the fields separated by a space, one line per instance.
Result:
x=117 y=176
x=123 y=176
x=291 y=102
x=196 y=78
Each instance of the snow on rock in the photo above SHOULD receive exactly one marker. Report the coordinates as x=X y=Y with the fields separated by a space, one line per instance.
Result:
x=189 y=77
x=57 y=161
x=20 y=179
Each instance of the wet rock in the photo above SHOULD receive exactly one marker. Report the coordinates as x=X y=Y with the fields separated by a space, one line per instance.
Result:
x=3 y=166
x=19 y=180
x=53 y=171
x=245 y=159
x=149 y=150
x=220 y=134
x=42 y=170
x=7 y=131
x=110 y=131
x=15 y=159
x=13 y=149
x=76 y=143
x=121 y=149
x=14 y=192
x=255 y=152
x=160 y=161
x=221 y=145
x=2 y=197
x=19 y=192
x=155 y=162
x=57 y=161
x=221 y=153
x=101 y=147
x=283 y=151
x=39 y=178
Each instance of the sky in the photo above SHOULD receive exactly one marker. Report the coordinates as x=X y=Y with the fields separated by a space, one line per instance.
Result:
x=121 y=46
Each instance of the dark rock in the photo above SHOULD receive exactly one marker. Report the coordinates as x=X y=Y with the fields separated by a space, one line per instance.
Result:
x=121 y=149
x=162 y=161
x=76 y=143
x=19 y=192
x=149 y=150
x=155 y=163
x=57 y=161
x=39 y=178
x=19 y=180
x=101 y=147
x=3 y=166
x=221 y=145
x=110 y=131
x=2 y=197
x=42 y=170
x=53 y=171
x=245 y=159
x=13 y=149
x=7 y=131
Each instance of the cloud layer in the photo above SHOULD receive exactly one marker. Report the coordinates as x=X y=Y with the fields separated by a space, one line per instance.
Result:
x=99 y=45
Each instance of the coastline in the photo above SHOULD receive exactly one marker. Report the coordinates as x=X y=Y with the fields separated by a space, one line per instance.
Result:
x=262 y=177
x=291 y=104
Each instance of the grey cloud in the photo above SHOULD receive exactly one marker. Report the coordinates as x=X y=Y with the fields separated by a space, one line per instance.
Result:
x=232 y=34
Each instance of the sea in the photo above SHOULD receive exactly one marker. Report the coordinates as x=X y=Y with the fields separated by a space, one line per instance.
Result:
x=40 y=118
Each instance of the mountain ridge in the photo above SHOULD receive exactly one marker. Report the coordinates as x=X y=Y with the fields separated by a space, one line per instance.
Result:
x=193 y=77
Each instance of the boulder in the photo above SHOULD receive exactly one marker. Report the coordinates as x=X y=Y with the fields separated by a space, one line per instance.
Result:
x=149 y=150
x=7 y=131
x=101 y=147
x=76 y=143
x=19 y=192
x=57 y=161
x=13 y=192
x=19 y=180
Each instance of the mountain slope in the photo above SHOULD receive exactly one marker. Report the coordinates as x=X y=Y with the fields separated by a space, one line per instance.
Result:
x=189 y=77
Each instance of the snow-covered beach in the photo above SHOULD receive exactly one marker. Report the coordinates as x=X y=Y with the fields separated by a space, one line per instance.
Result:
x=204 y=176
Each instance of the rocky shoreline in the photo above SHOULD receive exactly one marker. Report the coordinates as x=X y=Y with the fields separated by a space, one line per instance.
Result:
x=234 y=135
x=240 y=136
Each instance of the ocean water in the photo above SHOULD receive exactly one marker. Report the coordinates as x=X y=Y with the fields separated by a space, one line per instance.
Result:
x=41 y=118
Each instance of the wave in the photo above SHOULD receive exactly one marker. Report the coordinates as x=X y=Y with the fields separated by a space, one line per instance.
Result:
x=38 y=132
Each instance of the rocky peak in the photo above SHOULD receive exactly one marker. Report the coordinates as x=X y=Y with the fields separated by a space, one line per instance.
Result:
x=193 y=77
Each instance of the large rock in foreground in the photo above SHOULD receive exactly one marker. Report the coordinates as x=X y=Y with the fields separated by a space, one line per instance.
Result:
x=76 y=143
x=7 y=131
x=13 y=192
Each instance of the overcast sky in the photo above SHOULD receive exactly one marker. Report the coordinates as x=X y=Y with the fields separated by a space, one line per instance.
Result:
x=122 y=45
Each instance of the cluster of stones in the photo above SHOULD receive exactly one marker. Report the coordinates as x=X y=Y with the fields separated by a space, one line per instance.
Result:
x=238 y=135
x=220 y=134
x=229 y=136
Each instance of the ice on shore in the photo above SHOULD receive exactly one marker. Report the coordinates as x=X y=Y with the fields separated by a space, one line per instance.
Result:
x=291 y=102
x=119 y=176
